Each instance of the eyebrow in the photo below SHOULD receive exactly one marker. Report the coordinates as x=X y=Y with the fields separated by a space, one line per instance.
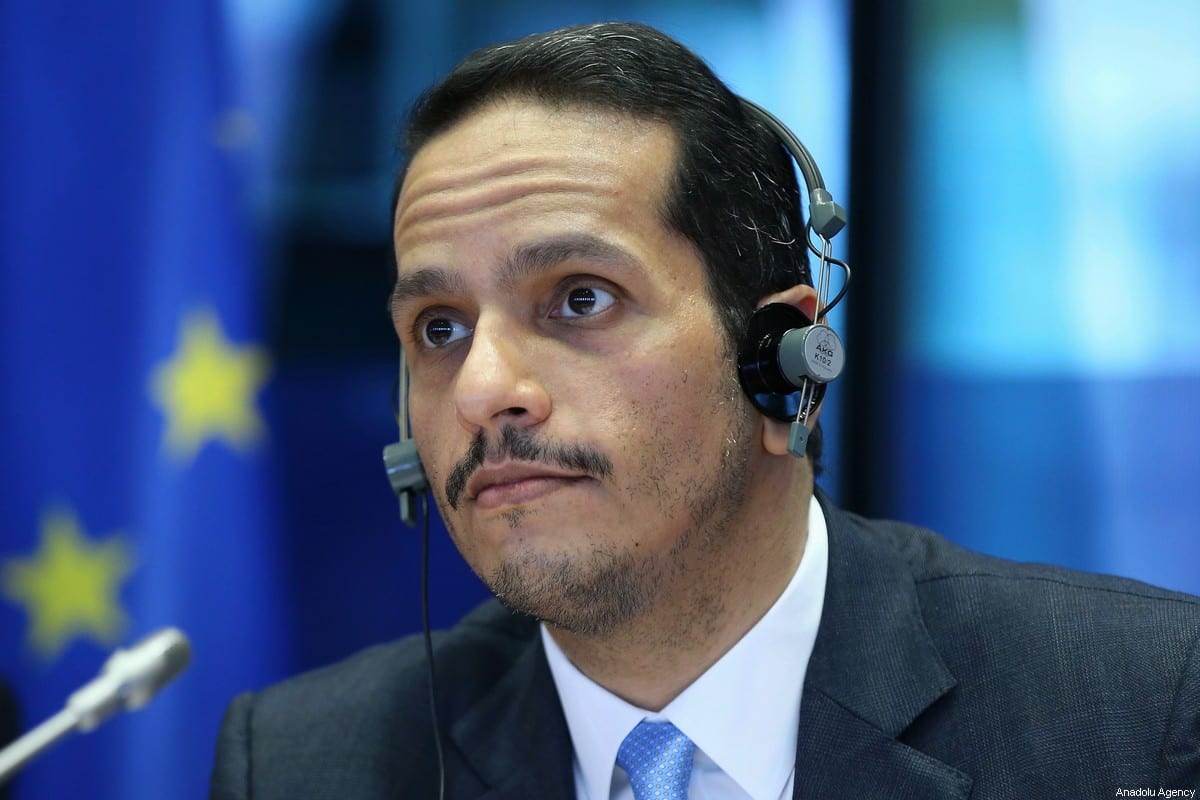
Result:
x=525 y=262
x=425 y=282
x=534 y=259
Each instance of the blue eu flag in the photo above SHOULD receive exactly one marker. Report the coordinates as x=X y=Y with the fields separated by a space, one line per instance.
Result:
x=133 y=441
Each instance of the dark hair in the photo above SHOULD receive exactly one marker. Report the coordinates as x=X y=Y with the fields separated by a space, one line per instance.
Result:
x=734 y=193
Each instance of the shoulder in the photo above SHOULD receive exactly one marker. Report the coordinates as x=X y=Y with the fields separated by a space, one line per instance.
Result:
x=942 y=570
x=935 y=560
x=983 y=611
x=471 y=656
x=1046 y=659
x=361 y=726
x=958 y=587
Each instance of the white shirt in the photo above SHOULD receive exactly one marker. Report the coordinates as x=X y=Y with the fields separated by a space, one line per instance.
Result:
x=743 y=713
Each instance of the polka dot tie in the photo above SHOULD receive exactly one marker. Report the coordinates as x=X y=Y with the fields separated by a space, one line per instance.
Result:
x=658 y=758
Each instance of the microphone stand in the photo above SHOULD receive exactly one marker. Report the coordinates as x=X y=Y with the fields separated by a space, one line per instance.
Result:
x=24 y=749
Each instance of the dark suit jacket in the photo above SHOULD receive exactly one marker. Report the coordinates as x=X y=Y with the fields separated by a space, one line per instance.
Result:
x=937 y=673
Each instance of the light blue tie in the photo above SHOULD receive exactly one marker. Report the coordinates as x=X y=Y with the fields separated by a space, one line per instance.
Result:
x=658 y=758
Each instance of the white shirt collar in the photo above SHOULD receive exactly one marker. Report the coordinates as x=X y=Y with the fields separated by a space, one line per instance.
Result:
x=756 y=686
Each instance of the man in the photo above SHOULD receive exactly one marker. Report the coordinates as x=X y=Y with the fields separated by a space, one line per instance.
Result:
x=587 y=221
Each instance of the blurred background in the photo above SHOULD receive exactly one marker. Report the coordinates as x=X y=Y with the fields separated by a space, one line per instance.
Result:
x=197 y=360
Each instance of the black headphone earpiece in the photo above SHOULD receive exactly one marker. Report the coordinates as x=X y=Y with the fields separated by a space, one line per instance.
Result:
x=781 y=350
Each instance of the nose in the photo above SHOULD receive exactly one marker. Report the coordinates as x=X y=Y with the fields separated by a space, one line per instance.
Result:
x=495 y=386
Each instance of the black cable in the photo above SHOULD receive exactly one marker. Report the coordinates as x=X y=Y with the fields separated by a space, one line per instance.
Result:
x=837 y=298
x=437 y=729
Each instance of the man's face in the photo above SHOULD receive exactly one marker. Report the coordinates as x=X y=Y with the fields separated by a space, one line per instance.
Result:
x=572 y=395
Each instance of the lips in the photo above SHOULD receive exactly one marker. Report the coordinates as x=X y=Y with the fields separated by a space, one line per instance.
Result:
x=513 y=484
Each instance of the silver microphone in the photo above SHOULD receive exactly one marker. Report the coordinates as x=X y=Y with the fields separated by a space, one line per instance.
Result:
x=128 y=680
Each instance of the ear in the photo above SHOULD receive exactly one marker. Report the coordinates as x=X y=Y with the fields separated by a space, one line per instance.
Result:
x=774 y=432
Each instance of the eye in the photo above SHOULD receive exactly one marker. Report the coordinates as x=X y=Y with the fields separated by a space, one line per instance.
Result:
x=440 y=331
x=584 y=301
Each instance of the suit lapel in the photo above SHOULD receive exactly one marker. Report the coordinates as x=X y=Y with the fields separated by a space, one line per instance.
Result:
x=873 y=670
x=516 y=738
x=841 y=755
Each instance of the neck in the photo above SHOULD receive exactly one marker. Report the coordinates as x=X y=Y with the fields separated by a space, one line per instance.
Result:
x=716 y=593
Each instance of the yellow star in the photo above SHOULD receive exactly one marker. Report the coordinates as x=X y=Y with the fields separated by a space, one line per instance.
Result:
x=207 y=389
x=69 y=587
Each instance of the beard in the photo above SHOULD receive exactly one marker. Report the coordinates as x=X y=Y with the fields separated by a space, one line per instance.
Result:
x=614 y=582
x=589 y=595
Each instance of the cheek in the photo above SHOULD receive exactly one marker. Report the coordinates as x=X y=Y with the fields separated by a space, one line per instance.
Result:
x=671 y=423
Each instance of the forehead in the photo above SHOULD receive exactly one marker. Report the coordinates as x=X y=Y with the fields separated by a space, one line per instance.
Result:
x=520 y=161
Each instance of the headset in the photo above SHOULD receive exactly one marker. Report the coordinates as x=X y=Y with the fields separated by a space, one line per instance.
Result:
x=785 y=362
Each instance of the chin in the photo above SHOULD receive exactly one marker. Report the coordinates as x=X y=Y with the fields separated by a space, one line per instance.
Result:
x=588 y=593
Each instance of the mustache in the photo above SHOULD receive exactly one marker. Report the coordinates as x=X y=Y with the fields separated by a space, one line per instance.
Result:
x=519 y=444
